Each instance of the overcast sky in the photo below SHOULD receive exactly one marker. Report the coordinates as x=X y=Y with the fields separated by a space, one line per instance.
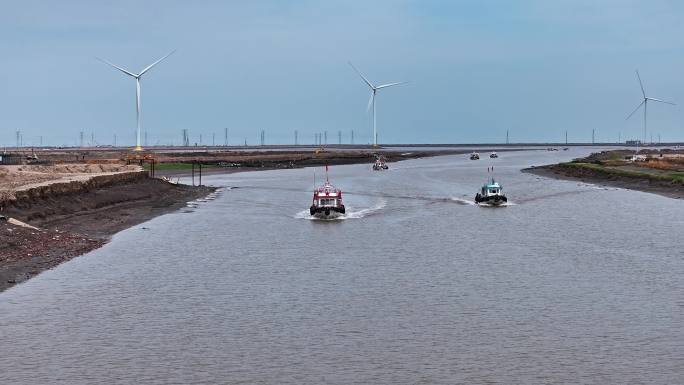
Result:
x=476 y=68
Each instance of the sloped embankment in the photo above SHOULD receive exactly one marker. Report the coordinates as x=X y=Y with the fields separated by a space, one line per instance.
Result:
x=79 y=216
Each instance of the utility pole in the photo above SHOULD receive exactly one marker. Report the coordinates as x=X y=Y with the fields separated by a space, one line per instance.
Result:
x=296 y=138
x=114 y=140
x=18 y=138
x=339 y=137
x=225 y=134
x=659 y=140
x=325 y=137
x=200 y=139
x=566 y=136
x=81 y=138
x=506 y=136
x=619 y=137
x=213 y=139
x=592 y=135
x=352 y=136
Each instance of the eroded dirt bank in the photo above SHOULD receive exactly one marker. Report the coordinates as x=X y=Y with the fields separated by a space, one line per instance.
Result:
x=76 y=217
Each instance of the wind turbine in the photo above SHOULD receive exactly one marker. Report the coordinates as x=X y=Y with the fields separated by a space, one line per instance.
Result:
x=371 y=101
x=644 y=102
x=137 y=89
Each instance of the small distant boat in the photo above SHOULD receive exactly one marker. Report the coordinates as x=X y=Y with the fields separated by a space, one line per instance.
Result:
x=327 y=201
x=380 y=164
x=493 y=155
x=491 y=193
x=474 y=156
x=565 y=149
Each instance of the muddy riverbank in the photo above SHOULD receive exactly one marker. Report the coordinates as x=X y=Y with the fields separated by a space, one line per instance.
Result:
x=79 y=220
x=655 y=173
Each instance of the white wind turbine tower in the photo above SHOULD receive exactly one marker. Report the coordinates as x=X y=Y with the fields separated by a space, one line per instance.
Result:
x=371 y=101
x=644 y=102
x=137 y=90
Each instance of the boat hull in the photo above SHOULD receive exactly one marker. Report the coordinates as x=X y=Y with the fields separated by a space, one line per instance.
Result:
x=326 y=212
x=492 y=200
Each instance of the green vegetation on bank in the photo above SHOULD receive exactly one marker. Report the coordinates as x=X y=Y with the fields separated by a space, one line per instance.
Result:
x=664 y=176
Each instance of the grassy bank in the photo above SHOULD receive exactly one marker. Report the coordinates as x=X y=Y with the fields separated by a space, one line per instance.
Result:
x=615 y=171
x=656 y=172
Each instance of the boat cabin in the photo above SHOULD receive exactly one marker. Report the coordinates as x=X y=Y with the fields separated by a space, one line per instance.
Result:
x=491 y=188
x=327 y=196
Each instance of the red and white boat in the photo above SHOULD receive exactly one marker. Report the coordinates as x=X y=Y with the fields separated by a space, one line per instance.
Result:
x=327 y=201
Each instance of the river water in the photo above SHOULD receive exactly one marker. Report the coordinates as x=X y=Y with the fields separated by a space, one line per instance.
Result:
x=571 y=283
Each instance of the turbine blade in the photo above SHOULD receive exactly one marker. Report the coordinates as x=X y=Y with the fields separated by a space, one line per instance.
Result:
x=117 y=67
x=641 y=84
x=155 y=63
x=661 y=101
x=370 y=101
x=389 y=85
x=362 y=77
x=635 y=110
